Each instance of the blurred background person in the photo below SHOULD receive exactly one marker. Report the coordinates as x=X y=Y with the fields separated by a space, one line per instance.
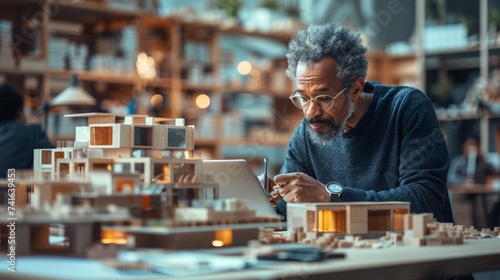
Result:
x=471 y=167
x=17 y=139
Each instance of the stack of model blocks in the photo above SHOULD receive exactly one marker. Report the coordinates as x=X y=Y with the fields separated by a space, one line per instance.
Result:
x=419 y=230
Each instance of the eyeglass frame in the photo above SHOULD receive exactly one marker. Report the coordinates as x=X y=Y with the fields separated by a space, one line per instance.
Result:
x=314 y=99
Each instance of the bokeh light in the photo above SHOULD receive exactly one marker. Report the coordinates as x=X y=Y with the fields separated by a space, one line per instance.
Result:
x=244 y=67
x=202 y=101
x=157 y=100
x=146 y=66
x=255 y=74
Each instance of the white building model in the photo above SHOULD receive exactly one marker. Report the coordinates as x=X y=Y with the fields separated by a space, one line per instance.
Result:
x=141 y=164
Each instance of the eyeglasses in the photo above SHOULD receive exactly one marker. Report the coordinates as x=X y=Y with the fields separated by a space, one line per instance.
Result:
x=324 y=101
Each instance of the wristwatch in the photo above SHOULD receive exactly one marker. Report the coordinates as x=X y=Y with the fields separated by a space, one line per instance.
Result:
x=335 y=190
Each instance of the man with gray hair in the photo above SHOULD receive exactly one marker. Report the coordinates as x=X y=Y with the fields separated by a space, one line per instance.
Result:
x=359 y=140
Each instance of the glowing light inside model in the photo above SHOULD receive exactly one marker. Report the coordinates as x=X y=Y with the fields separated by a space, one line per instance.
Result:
x=113 y=237
x=217 y=243
x=223 y=237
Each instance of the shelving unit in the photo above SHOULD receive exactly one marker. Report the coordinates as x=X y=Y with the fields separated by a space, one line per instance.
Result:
x=182 y=43
x=474 y=60
x=169 y=40
x=189 y=60
x=426 y=68
x=43 y=34
x=393 y=69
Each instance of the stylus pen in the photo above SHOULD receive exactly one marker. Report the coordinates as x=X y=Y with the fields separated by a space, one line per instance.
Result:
x=265 y=175
x=273 y=192
x=264 y=185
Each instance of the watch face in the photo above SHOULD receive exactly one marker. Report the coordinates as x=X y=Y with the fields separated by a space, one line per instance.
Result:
x=334 y=187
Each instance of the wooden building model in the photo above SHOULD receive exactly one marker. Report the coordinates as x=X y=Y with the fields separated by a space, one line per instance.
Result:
x=347 y=217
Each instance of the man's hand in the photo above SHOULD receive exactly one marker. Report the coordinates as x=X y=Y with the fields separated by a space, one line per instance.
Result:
x=300 y=187
x=269 y=182
x=273 y=198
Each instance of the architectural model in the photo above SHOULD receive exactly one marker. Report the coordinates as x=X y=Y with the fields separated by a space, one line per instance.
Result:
x=131 y=180
x=141 y=164
x=347 y=217
x=35 y=228
x=214 y=223
x=132 y=155
x=416 y=230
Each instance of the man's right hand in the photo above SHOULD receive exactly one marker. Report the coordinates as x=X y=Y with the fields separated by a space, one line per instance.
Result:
x=300 y=187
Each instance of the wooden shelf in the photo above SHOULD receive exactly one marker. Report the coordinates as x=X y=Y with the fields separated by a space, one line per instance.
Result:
x=199 y=29
x=393 y=70
x=96 y=76
x=208 y=142
x=199 y=87
x=473 y=49
x=165 y=39
x=20 y=72
x=241 y=89
x=281 y=37
x=115 y=78
x=87 y=12
x=258 y=91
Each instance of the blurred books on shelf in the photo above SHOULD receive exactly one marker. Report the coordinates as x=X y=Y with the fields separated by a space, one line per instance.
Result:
x=6 y=53
x=445 y=37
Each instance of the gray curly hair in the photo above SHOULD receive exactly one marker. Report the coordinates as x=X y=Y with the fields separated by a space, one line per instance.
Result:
x=329 y=40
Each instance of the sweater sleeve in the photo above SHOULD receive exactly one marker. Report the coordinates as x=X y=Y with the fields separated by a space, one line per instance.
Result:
x=423 y=160
x=41 y=139
x=295 y=160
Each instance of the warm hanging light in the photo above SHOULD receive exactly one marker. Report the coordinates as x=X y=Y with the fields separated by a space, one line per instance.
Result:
x=73 y=95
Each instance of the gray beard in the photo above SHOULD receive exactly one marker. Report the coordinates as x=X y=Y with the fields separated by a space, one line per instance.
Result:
x=326 y=138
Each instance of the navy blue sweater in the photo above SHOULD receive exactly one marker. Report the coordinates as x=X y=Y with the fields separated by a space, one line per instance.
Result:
x=17 y=142
x=395 y=153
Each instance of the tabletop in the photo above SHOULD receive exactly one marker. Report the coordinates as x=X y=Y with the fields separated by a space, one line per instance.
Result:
x=403 y=262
